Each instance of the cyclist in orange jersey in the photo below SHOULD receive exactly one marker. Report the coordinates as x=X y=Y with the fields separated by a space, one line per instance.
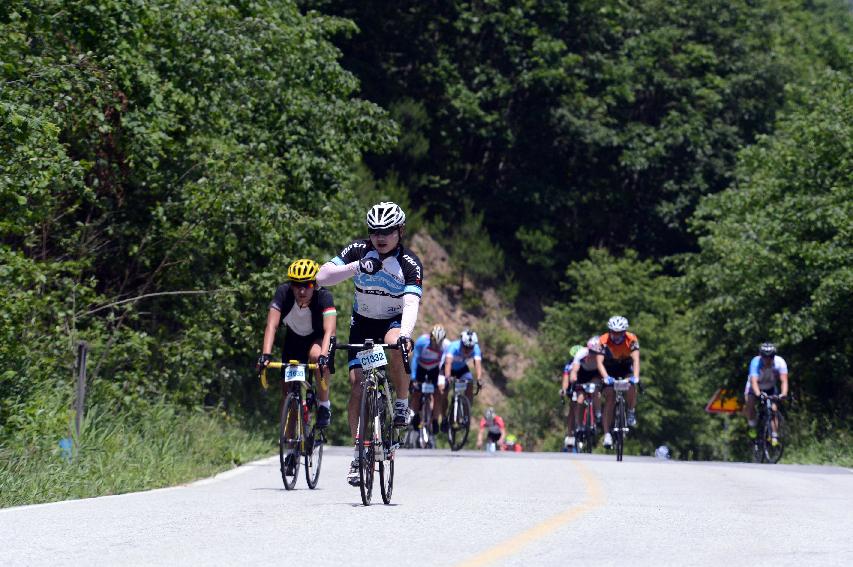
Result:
x=618 y=356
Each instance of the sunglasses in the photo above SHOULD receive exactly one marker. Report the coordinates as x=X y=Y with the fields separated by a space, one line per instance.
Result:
x=383 y=231
x=303 y=285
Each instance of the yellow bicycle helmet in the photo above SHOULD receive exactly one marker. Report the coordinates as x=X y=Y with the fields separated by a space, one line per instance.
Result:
x=303 y=270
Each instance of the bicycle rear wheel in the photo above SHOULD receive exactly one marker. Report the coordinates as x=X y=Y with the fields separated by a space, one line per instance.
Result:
x=772 y=453
x=366 y=450
x=619 y=429
x=314 y=442
x=289 y=440
x=460 y=422
x=386 y=465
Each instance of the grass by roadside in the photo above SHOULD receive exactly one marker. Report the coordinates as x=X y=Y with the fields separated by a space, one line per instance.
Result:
x=124 y=453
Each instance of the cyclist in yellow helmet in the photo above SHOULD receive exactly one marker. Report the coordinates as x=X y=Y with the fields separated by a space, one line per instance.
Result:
x=308 y=313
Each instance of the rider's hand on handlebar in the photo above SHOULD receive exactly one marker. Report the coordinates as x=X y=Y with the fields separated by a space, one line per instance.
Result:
x=405 y=342
x=609 y=380
x=263 y=361
x=562 y=393
x=369 y=266
x=634 y=380
x=323 y=361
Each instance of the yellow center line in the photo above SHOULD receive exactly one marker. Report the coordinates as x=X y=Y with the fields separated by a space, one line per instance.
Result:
x=594 y=499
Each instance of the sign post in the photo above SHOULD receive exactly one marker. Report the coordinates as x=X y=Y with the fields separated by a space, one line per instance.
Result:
x=80 y=399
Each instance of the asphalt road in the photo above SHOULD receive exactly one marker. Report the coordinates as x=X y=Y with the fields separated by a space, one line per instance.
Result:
x=460 y=509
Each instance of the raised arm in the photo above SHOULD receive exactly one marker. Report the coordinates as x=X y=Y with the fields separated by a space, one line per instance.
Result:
x=331 y=273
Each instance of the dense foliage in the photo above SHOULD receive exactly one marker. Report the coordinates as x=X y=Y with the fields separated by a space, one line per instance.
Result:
x=686 y=164
x=178 y=153
x=576 y=124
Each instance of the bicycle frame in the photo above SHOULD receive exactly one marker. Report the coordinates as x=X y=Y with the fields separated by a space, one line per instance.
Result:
x=293 y=437
x=457 y=421
x=375 y=386
x=585 y=433
x=620 y=423
x=425 y=433
x=763 y=450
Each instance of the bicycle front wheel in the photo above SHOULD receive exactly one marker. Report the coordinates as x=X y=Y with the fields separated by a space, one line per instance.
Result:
x=460 y=422
x=426 y=439
x=314 y=442
x=619 y=429
x=386 y=465
x=366 y=450
x=289 y=440
x=772 y=453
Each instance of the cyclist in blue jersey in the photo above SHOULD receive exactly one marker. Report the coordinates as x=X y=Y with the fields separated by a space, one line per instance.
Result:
x=767 y=373
x=425 y=363
x=456 y=358
x=388 y=288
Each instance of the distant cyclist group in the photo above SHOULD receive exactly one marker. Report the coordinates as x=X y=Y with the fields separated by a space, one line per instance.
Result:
x=388 y=280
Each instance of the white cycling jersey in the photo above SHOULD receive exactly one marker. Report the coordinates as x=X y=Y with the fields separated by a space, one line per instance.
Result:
x=381 y=295
x=767 y=375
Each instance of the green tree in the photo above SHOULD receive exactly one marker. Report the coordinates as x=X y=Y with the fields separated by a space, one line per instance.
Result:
x=776 y=258
x=161 y=163
x=671 y=409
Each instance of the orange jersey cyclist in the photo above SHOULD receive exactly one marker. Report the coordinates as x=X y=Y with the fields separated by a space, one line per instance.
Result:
x=388 y=291
x=618 y=356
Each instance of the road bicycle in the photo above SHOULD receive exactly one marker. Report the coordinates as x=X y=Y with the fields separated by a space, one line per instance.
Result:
x=620 y=419
x=298 y=434
x=421 y=437
x=764 y=450
x=585 y=433
x=376 y=439
x=458 y=416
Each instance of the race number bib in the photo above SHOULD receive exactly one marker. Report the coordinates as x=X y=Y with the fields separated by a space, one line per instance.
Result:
x=374 y=358
x=427 y=388
x=294 y=373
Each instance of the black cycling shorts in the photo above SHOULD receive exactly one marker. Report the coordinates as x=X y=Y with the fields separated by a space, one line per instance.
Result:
x=422 y=375
x=494 y=437
x=460 y=372
x=362 y=328
x=619 y=368
x=585 y=376
x=296 y=347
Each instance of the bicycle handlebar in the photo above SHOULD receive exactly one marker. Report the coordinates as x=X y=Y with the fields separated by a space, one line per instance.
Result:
x=366 y=344
x=309 y=365
x=277 y=365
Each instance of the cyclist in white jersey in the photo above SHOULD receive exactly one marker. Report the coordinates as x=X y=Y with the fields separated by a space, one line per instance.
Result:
x=388 y=288
x=767 y=372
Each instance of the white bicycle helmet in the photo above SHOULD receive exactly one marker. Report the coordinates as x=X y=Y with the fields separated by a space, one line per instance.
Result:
x=385 y=215
x=617 y=324
x=767 y=349
x=468 y=338
x=438 y=333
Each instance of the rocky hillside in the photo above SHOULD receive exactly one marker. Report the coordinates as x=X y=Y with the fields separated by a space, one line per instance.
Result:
x=505 y=340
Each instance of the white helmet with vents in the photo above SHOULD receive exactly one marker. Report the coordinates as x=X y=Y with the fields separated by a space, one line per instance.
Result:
x=617 y=324
x=438 y=334
x=468 y=338
x=385 y=215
